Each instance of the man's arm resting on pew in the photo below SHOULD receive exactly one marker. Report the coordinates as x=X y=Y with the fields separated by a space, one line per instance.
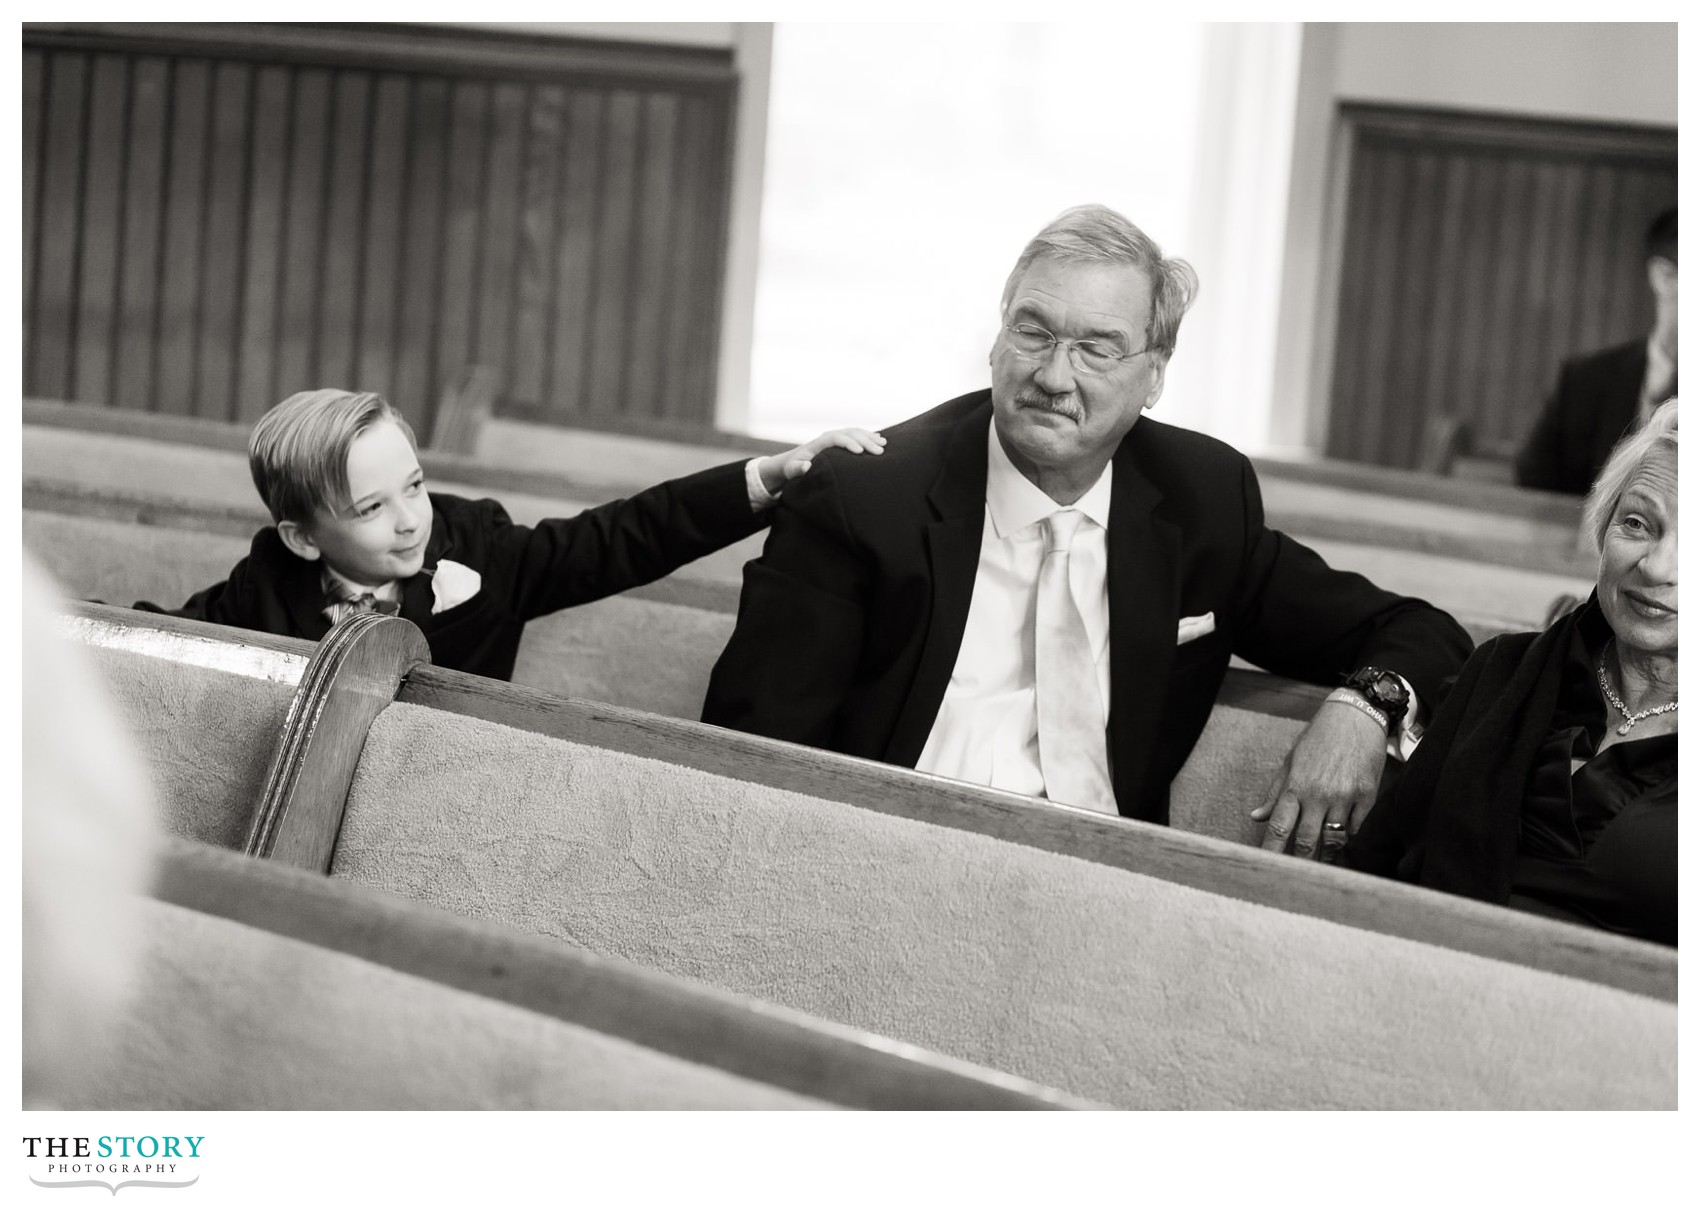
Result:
x=1303 y=619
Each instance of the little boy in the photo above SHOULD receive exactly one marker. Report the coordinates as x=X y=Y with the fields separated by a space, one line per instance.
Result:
x=356 y=531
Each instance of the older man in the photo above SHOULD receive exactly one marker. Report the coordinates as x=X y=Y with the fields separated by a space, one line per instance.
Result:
x=1030 y=590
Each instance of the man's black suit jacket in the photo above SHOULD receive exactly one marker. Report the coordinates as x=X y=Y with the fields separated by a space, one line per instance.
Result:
x=1596 y=402
x=526 y=571
x=851 y=620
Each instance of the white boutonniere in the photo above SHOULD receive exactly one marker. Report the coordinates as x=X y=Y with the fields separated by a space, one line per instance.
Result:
x=453 y=584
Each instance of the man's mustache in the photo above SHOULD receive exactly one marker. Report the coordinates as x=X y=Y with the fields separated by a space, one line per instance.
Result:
x=1065 y=405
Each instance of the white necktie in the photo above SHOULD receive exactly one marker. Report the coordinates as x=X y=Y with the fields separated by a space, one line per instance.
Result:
x=1070 y=709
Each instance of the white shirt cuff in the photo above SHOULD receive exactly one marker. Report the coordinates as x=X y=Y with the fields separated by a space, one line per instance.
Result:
x=760 y=497
x=1404 y=743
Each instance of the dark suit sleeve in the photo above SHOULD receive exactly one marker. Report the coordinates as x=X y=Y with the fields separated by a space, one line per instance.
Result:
x=232 y=602
x=1302 y=619
x=564 y=562
x=1543 y=463
x=790 y=664
x=1393 y=831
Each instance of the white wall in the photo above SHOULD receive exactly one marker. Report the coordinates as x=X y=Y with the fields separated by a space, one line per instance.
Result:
x=907 y=166
x=1623 y=72
x=1592 y=72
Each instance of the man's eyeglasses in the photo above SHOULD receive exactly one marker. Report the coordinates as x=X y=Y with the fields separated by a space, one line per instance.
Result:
x=1088 y=357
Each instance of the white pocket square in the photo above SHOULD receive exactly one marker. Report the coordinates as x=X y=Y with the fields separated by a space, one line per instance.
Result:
x=453 y=584
x=1195 y=627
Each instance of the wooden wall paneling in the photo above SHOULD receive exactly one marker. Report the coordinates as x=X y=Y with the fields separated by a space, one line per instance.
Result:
x=305 y=169
x=493 y=320
x=344 y=239
x=264 y=237
x=1536 y=256
x=143 y=208
x=185 y=227
x=710 y=184
x=383 y=223
x=1562 y=297
x=228 y=180
x=1601 y=199
x=1511 y=232
x=1410 y=357
x=622 y=149
x=575 y=275
x=655 y=276
x=675 y=379
x=677 y=304
x=1369 y=330
x=537 y=263
x=418 y=279
x=97 y=278
x=1440 y=328
x=47 y=365
x=463 y=224
x=1483 y=179
x=252 y=221
x=1534 y=315
x=34 y=71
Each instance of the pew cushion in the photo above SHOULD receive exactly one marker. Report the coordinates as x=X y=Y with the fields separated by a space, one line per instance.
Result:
x=234 y=1018
x=1229 y=773
x=207 y=734
x=636 y=652
x=1110 y=985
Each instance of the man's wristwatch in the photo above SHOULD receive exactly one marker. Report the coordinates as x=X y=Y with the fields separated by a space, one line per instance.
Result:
x=1383 y=691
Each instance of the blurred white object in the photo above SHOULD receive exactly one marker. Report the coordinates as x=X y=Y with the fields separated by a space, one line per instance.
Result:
x=89 y=838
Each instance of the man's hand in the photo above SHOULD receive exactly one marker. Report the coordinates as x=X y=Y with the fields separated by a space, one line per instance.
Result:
x=1329 y=779
x=778 y=470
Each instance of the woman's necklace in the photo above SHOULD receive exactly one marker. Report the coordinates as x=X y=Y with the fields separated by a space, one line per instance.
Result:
x=1629 y=721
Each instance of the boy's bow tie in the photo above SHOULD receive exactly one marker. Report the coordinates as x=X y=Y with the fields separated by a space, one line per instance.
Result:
x=360 y=603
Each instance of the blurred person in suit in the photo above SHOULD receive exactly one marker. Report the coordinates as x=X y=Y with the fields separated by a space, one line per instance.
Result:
x=1036 y=589
x=1548 y=778
x=1602 y=396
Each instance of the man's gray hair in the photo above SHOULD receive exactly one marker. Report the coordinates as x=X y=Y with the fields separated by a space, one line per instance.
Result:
x=1657 y=437
x=1095 y=234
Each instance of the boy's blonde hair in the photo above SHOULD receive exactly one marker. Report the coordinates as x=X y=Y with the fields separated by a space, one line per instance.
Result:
x=298 y=452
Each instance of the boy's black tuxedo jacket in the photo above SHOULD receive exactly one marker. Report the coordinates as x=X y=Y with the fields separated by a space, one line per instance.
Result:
x=851 y=620
x=527 y=571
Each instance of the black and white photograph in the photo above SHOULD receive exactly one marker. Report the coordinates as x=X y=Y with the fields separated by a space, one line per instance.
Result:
x=1107 y=565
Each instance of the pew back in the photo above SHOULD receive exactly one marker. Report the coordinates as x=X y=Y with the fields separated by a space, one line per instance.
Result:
x=1132 y=988
x=264 y=987
x=206 y=705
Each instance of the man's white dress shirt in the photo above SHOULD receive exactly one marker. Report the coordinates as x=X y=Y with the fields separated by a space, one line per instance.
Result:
x=987 y=727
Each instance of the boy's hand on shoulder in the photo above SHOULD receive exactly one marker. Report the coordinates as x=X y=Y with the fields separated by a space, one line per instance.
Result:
x=778 y=470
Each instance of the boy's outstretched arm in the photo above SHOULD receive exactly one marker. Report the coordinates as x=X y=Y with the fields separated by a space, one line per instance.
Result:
x=778 y=470
x=563 y=562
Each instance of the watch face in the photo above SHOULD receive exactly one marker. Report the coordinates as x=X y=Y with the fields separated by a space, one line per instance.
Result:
x=1387 y=686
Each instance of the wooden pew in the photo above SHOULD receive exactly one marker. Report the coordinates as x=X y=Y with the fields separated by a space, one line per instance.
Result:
x=1495 y=557
x=1125 y=963
x=605 y=652
x=263 y=987
x=206 y=704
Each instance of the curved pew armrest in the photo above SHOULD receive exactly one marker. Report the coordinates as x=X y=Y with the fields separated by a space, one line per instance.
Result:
x=352 y=677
